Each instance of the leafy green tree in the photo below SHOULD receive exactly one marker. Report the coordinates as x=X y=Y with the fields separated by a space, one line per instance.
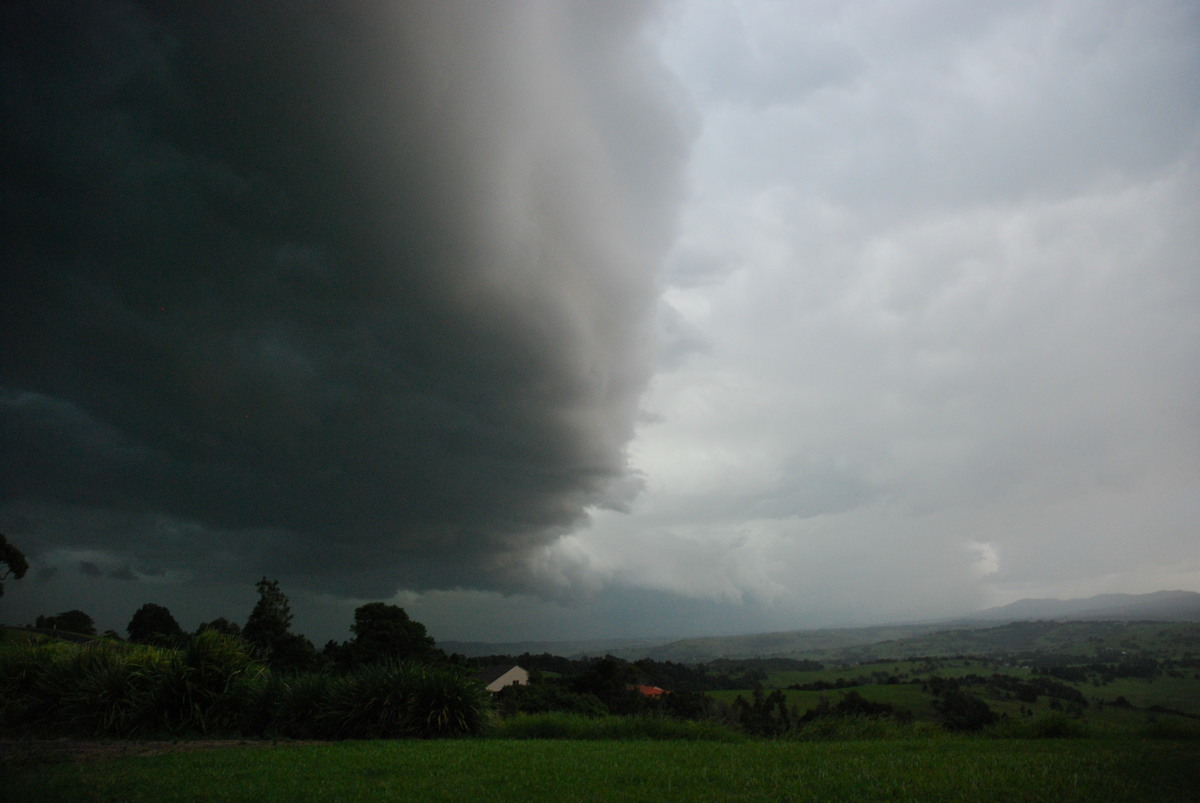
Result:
x=268 y=630
x=154 y=624
x=14 y=561
x=854 y=704
x=385 y=632
x=547 y=695
x=611 y=680
x=764 y=714
x=293 y=652
x=271 y=617
x=960 y=711
x=73 y=621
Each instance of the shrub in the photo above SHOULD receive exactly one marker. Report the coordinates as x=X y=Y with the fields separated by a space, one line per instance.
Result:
x=545 y=696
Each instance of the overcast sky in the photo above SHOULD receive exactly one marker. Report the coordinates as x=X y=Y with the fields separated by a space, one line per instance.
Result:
x=565 y=320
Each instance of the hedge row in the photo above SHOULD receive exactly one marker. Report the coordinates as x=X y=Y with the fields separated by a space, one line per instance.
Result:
x=212 y=687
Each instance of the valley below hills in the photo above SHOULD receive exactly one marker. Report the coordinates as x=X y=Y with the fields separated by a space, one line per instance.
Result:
x=1024 y=626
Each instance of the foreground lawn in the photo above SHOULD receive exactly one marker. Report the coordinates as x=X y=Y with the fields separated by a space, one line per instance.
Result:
x=498 y=770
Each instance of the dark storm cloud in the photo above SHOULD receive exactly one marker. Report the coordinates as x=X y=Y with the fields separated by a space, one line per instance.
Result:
x=358 y=293
x=122 y=573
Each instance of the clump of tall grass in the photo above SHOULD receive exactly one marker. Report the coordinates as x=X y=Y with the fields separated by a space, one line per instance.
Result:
x=32 y=676
x=408 y=699
x=117 y=692
x=107 y=689
x=200 y=690
x=211 y=687
x=561 y=725
x=53 y=688
x=290 y=705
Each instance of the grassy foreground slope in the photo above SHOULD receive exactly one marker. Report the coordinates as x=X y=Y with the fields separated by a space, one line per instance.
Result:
x=500 y=770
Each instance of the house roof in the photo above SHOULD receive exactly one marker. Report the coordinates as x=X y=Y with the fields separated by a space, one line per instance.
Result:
x=651 y=691
x=494 y=672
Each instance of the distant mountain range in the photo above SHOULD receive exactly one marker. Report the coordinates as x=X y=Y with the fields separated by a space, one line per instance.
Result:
x=569 y=649
x=1162 y=606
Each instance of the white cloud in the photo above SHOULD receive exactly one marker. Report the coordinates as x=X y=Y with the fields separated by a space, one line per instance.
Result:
x=945 y=268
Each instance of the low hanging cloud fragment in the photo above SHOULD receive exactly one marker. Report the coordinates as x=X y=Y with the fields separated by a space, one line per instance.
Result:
x=358 y=294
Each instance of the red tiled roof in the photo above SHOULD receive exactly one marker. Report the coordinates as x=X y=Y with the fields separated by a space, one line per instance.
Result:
x=651 y=691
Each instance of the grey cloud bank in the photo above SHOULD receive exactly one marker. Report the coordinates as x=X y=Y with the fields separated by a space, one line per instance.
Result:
x=560 y=320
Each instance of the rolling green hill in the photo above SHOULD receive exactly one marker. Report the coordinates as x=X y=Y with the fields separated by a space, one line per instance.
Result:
x=1076 y=638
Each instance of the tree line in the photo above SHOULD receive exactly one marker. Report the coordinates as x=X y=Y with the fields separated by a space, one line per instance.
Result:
x=381 y=632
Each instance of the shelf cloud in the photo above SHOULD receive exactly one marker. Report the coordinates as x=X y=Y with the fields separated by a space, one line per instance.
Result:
x=362 y=294
x=552 y=319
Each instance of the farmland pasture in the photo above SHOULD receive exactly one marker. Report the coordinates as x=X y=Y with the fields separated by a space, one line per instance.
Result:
x=905 y=697
x=1088 y=693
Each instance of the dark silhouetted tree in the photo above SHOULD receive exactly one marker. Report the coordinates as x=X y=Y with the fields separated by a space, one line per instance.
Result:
x=764 y=714
x=271 y=617
x=385 y=632
x=960 y=711
x=74 y=621
x=154 y=624
x=13 y=560
x=267 y=630
x=854 y=704
x=611 y=680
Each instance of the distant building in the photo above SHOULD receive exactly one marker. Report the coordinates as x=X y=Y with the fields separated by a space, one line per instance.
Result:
x=495 y=678
x=649 y=691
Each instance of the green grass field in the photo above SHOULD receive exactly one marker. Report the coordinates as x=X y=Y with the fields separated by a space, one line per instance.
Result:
x=904 y=697
x=502 y=770
x=947 y=668
x=1177 y=691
